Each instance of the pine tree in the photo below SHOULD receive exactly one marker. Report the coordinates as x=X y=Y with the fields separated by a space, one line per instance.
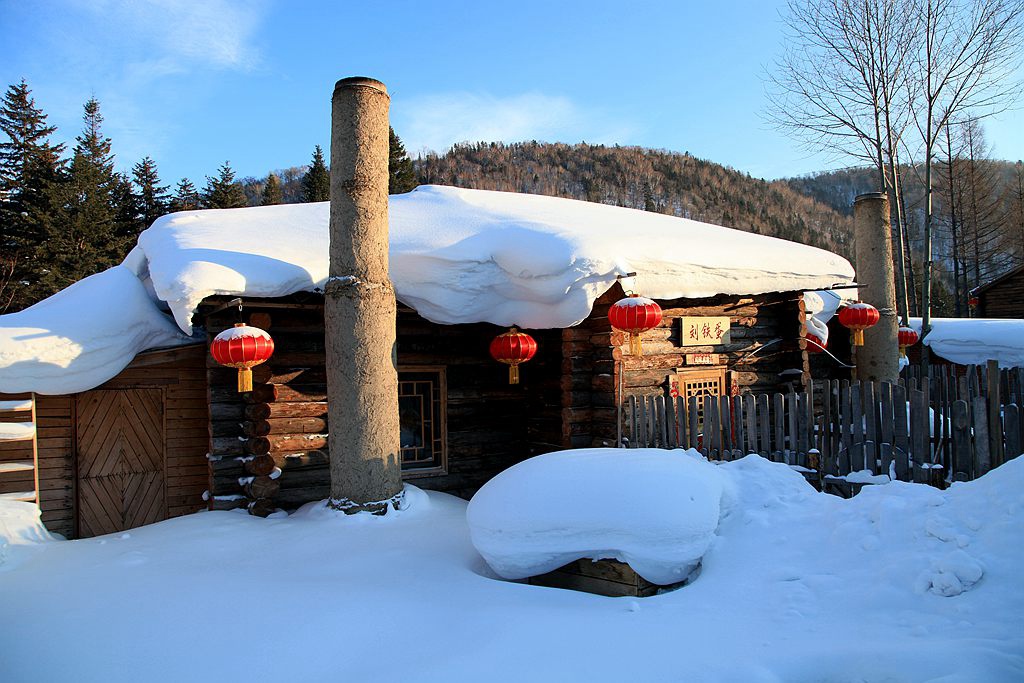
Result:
x=91 y=233
x=401 y=176
x=30 y=166
x=186 y=197
x=224 y=192
x=272 y=191
x=151 y=198
x=316 y=185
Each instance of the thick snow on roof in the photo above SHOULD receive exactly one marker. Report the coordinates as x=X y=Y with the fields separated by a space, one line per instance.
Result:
x=82 y=336
x=457 y=256
x=461 y=256
x=974 y=341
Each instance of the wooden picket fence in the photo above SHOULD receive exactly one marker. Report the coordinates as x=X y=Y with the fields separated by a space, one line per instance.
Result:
x=943 y=428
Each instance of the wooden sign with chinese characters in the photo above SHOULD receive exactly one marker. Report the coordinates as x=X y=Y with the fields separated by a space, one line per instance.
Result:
x=702 y=359
x=710 y=331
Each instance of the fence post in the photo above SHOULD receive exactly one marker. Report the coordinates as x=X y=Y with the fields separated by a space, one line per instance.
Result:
x=982 y=457
x=901 y=430
x=726 y=413
x=870 y=426
x=693 y=413
x=1011 y=424
x=962 y=460
x=684 y=438
x=920 y=450
x=995 y=426
x=741 y=432
x=886 y=428
x=857 y=450
x=779 y=408
x=634 y=420
x=826 y=430
x=712 y=435
x=750 y=413
x=762 y=419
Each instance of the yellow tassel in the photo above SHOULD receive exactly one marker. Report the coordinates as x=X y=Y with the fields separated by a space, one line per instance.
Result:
x=244 y=379
x=858 y=337
x=513 y=374
x=636 y=345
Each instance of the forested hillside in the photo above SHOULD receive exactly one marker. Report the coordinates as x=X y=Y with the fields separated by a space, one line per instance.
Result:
x=655 y=180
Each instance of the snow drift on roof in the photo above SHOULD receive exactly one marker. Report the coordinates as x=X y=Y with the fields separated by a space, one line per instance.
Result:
x=974 y=341
x=82 y=336
x=460 y=256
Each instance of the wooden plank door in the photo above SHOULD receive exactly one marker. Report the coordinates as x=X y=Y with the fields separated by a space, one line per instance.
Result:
x=121 y=461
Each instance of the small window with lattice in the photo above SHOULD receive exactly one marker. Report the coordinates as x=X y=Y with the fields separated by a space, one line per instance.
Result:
x=421 y=414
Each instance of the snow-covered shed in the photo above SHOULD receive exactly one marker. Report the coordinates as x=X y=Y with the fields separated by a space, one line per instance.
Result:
x=466 y=264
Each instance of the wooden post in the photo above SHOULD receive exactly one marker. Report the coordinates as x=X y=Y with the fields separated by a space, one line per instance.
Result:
x=962 y=460
x=901 y=430
x=995 y=423
x=982 y=456
x=359 y=305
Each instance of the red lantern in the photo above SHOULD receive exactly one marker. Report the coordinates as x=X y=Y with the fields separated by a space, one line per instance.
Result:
x=512 y=348
x=973 y=301
x=907 y=337
x=635 y=314
x=815 y=344
x=858 y=317
x=242 y=347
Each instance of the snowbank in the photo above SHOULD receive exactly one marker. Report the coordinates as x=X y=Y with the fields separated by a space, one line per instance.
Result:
x=654 y=509
x=973 y=341
x=20 y=531
x=460 y=256
x=795 y=586
x=82 y=336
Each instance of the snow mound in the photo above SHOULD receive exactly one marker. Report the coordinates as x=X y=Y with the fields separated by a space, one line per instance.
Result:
x=20 y=528
x=973 y=341
x=654 y=509
x=461 y=256
x=82 y=336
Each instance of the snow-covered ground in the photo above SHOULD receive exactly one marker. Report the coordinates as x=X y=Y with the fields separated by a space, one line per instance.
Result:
x=901 y=583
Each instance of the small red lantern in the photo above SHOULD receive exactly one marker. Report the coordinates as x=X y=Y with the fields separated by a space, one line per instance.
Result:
x=635 y=314
x=815 y=344
x=973 y=301
x=242 y=347
x=858 y=317
x=512 y=348
x=907 y=337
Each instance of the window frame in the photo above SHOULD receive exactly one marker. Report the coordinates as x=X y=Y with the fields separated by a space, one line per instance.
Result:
x=442 y=379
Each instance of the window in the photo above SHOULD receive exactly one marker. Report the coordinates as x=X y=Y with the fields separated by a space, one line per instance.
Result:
x=421 y=411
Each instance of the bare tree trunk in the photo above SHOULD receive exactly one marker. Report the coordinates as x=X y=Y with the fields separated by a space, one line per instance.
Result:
x=957 y=305
x=359 y=307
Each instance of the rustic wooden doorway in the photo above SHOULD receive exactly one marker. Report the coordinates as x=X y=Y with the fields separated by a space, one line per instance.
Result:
x=121 y=460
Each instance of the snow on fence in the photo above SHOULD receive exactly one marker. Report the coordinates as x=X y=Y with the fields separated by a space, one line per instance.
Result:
x=943 y=428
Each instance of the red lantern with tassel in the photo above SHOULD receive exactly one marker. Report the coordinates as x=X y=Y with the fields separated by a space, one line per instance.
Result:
x=858 y=317
x=815 y=344
x=242 y=347
x=635 y=314
x=907 y=337
x=512 y=348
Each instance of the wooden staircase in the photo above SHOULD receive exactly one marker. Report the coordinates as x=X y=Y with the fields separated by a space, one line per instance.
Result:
x=19 y=472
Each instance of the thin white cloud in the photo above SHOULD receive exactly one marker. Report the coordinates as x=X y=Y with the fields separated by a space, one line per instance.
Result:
x=169 y=35
x=436 y=122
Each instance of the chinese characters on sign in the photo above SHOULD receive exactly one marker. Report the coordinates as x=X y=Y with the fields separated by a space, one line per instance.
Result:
x=711 y=331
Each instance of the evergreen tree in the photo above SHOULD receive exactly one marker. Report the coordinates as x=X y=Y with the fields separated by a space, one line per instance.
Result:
x=152 y=200
x=91 y=233
x=30 y=167
x=186 y=197
x=316 y=185
x=224 y=192
x=401 y=176
x=272 y=191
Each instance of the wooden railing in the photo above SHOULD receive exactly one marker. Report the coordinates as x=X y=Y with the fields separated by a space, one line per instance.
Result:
x=948 y=427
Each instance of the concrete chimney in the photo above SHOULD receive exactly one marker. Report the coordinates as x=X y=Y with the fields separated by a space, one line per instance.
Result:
x=878 y=359
x=359 y=305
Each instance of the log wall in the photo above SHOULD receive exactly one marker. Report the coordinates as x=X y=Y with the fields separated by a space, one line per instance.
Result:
x=767 y=338
x=269 y=448
x=1003 y=298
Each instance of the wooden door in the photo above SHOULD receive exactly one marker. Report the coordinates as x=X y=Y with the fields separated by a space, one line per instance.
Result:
x=121 y=463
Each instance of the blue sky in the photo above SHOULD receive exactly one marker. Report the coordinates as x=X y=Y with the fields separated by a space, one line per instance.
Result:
x=195 y=83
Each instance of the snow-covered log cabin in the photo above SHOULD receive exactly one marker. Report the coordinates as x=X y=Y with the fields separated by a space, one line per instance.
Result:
x=134 y=422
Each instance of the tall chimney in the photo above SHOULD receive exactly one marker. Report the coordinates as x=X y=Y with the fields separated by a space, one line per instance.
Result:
x=878 y=359
x=359 y=305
